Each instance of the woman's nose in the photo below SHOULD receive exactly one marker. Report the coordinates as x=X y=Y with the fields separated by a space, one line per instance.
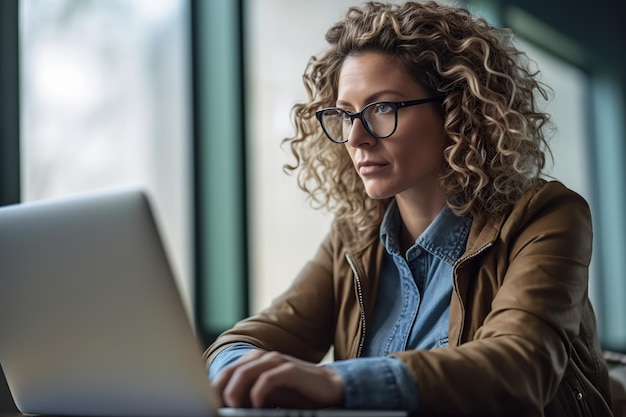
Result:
x=359 y=135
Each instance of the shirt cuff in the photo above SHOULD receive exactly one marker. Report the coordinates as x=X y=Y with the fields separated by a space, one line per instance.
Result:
x=227 y=356
x=377 y=383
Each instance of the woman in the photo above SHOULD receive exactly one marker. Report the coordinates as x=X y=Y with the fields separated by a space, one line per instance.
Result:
x=454 y=278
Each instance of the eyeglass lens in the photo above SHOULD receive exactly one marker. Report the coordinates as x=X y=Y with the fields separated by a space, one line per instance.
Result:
x=378 y=118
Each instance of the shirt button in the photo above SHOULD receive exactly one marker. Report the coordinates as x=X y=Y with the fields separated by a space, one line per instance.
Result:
x=418 y=252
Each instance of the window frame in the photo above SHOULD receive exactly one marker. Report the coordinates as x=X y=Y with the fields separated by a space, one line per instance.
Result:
x=221 y=251
x=10 y=192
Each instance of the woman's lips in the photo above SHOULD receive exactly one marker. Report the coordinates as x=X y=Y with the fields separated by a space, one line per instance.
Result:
x=371 y=168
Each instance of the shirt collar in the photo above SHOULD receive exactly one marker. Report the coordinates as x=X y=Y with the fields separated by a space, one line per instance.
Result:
x=444 y=238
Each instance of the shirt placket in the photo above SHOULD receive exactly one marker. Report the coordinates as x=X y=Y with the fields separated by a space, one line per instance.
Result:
x=411 y=299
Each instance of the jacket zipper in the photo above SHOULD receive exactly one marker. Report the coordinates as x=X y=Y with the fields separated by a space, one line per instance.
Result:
x=357 y=279
x=456 y=291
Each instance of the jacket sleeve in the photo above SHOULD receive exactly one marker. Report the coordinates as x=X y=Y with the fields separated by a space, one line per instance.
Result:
x=292 y=324
x=533 y=280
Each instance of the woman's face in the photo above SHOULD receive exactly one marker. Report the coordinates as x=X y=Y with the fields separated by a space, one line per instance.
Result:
x=408 y=161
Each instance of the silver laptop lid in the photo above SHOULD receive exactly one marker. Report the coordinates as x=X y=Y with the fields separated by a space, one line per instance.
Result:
x=91 y=320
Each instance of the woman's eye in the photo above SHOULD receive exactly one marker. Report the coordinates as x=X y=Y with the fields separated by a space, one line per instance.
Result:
x=383 y=108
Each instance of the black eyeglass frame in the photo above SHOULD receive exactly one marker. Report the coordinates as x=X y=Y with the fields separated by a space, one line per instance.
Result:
x=396 y=105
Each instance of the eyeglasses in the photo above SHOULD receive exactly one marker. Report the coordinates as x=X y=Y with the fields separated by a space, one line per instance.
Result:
x=380 y=119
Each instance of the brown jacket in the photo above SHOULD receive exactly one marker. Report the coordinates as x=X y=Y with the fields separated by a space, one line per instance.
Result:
x=522 y=331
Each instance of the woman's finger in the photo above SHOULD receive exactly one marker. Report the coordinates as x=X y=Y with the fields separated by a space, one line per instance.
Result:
x=236 y=391
x=224 y=377
x=295 y=385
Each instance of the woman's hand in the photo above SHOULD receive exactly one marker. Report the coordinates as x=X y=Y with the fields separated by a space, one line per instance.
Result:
x=272 y=379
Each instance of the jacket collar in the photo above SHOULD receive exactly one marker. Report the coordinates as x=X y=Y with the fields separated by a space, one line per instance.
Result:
x=444 y=238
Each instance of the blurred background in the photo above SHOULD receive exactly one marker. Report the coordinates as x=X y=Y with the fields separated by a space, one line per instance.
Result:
x=191 y=99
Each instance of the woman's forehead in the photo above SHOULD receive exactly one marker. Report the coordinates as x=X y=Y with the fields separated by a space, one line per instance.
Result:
x=374 y=74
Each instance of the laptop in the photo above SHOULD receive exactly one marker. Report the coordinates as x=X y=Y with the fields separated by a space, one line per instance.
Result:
x=92 y=322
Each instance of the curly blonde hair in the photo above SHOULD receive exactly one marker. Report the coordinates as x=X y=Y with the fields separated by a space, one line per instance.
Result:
x=496 y=147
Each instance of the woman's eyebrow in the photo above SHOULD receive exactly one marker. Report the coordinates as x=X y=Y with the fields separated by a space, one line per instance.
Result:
x=374 y=97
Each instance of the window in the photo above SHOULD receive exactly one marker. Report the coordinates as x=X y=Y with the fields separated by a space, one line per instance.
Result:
x=105 y=103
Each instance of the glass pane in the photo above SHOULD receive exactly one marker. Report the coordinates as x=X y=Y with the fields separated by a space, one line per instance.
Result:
x=284 y=230
x=569 y=144
x=105 y=103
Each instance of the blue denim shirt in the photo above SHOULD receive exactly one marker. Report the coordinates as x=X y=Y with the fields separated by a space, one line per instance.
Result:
x=411 y=312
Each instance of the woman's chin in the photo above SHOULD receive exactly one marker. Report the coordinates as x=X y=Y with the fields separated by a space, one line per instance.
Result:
x=378 y=194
